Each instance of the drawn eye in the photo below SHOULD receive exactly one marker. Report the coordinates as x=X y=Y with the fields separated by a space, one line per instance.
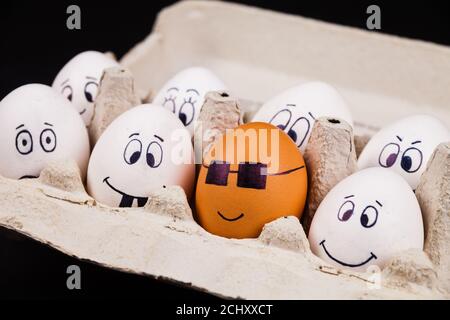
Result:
x=67 y=92
x=369 y=217
x=388 y=155
x=412 y=160
x=250 y=175
x=90 y=91
x=346 y=211
x=218 y=173
x=187 y=111
x=24 y=142
x=281 y=119
x=48 y=140
x=170 y=99
x=299 y=131
x=154 y=154
x=132 y=151
x=170 y=104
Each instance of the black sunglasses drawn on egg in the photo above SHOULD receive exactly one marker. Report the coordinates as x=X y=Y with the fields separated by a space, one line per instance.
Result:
x=250 y=175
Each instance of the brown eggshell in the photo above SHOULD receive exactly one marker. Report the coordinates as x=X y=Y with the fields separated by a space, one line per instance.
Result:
x=239 y=205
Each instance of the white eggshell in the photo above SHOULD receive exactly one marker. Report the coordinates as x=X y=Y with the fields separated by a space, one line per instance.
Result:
x=78 y=80
x=184 y=94
x=141 y=151
x=383 y=218
x=405 y=146
x=38 y=125
x=296 y=109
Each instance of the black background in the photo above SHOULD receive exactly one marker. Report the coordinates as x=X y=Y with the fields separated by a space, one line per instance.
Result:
x=35 y=44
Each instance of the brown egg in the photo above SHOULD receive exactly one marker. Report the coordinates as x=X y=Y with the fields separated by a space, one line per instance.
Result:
x=253 y=175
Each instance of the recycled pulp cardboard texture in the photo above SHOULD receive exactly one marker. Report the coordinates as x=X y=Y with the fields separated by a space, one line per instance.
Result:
x=162 y=240
x=154 y=241
x=258 y=53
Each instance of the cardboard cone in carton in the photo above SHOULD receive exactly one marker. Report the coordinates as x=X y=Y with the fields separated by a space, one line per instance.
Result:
x=330 y=157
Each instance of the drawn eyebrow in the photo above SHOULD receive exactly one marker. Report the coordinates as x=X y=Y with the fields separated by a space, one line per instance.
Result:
x=416 y=142
x=351 y=196
x=91 y=78
x=173 y=88
x=64 y=82
x=379 y=203
x=48 y=124
x=162 y=140
x=399 y=138
x=22 y=125
x=133 y=134
x=193 y=90
x=311 y=115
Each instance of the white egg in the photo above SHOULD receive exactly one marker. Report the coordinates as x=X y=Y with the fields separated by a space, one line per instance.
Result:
x=38 y=126
x=296 y=109
x=145 y=149
x=405 y=146
x=184 y=94
x=78 y=80
x=366 y=219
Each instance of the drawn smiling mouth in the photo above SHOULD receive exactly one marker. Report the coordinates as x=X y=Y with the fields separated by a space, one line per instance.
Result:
x=127 y=200
x=372 y=256
x=28 y=177
x=82 y=111
x=230 y=219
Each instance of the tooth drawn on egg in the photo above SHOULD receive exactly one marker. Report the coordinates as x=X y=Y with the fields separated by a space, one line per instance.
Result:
x=405 y=146
x=366 y=219
x=184 y=94
x=144 y=149
x=296 y=109
x=39 y=126
x=78 y=81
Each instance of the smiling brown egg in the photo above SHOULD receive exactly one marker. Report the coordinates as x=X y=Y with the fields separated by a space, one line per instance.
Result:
x=253 y=175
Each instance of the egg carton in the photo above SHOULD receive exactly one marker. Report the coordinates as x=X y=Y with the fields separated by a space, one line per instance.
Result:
x=258 y=53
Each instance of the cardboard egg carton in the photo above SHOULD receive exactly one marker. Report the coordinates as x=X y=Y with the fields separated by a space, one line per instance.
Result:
x=257 y=53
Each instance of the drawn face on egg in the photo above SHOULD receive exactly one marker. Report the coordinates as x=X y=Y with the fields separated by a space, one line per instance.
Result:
x=143 y=150
x=184 y=94
x=296 y=109
x=297 y=125
x=405 y=146
x=78 y=81
x=250 y=183
x=366 y=219
x=39 y=126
